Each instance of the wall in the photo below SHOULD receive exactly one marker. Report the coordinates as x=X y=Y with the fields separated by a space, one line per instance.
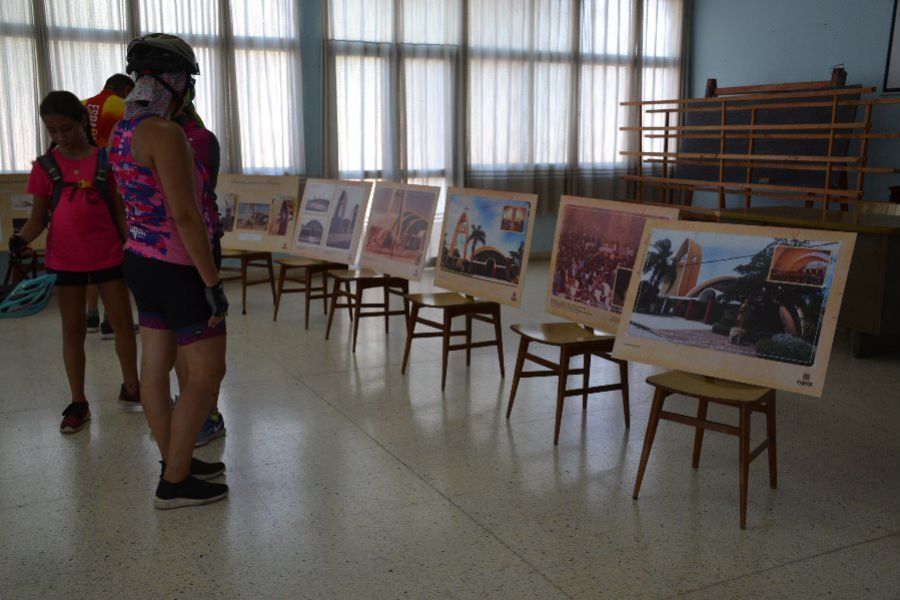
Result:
x=768 y=41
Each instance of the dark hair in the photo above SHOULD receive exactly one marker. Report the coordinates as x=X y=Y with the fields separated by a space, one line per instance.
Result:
x=67 y=104
x=119 y=83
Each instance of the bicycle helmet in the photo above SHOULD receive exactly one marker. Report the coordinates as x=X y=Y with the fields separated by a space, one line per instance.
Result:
x=160 y=53
x=29 y=297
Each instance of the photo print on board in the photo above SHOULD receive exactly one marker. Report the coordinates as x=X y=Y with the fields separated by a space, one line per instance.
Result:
x=400 y=221
x=253 y=216
x=594 y=249
x=225 y=204
x=283 y=209
x=484 y=244
x=757 y=305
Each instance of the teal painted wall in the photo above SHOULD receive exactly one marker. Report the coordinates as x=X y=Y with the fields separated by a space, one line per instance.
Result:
x=769 y=41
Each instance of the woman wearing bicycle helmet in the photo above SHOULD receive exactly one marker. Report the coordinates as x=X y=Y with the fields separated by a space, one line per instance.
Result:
x=169 y=265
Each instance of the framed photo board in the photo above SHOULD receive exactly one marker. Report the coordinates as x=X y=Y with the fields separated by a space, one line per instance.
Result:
x=15 y=207
x=592 y=262
x=331 y=220
x=756 y=305
x=399 y=230
x=257 y=212
x=484 y=245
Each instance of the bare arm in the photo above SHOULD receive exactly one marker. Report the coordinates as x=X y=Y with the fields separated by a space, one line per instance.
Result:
x=37 y=222
x=164 y=147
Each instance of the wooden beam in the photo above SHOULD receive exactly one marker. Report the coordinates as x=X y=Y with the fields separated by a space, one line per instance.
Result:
x=762 y=126
x=775 y=96
x=740 y=187
x=714 y=156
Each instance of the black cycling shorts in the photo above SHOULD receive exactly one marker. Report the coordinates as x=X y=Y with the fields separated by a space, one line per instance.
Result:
x=170 y=296
x=88 y=277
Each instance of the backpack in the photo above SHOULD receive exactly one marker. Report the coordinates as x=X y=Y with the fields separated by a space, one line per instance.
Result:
x=49 y=164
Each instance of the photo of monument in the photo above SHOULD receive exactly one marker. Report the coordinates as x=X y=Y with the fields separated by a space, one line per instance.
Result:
x=253 y=216
x=282 y=215
x=762 y=295
x=484 y=243
x=225 y=205
x=348 y=203
x=331 y=220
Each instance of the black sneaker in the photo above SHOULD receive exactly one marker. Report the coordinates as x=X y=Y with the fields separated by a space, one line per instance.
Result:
x=200 y=469
x=76 y=416
x=106 y=330
x=93 y=322
x=190 y=492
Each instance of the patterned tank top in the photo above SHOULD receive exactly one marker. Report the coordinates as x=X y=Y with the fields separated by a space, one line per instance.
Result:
x=151 y=228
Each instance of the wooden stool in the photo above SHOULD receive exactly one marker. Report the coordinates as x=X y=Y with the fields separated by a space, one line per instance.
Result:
x=248 y=259
x=746 y=398
x=365 y=279
x=573 y=340
x=310 y=268
x=453 y=305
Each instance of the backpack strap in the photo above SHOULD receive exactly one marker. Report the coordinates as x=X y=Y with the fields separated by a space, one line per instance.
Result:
x=101 y=172
x=49 y=164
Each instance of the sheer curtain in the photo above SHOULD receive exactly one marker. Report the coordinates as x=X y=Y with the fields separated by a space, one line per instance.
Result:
x=248 y=91
x=507 y=94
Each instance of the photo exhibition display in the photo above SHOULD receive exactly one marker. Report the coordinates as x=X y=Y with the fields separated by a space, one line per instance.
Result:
x=756 y=305
x=331 y=220
x=257 y=213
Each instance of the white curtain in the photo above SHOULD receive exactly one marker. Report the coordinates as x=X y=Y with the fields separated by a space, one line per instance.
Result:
x=507 y=94
x=248 y=91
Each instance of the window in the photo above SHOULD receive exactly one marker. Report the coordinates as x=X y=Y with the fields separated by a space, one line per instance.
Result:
x=248 y=92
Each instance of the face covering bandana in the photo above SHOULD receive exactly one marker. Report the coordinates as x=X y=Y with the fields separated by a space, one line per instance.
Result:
x=150 y=96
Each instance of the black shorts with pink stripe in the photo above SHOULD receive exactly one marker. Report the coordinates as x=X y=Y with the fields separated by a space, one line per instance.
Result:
x=170 y=296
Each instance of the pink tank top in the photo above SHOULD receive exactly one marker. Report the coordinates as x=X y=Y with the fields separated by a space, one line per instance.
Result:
x=151 y=228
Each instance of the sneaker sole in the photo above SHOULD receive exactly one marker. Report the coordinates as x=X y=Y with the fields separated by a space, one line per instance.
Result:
x=76 y=429
x=205 y=441
x=107 y=336
x=93 y=329
x=162 y=504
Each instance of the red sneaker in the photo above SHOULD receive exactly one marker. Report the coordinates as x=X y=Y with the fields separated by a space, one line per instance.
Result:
x=76 y=416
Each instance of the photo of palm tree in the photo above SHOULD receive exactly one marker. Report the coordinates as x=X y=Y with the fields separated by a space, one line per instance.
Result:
x=743 y=294
x=476 y=243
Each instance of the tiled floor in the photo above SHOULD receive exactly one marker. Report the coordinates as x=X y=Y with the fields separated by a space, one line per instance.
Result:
x=349 y=480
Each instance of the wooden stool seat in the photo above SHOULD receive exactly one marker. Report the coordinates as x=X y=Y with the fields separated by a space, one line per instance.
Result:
x=249 y=258
x=364 y=279
x=572 y=340
x=441 y=299
x=295 y=262
x=746 y=398
x=310 y=267
x=452 y=305
x=557 y=334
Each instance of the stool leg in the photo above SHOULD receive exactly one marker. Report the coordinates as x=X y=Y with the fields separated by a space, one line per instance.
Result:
x=282 y=272
x=349 y=294
x=308 y=293
x=659 y=398
x=744 y=461
x=586 y=379
x=698 y=433
x=623 y=378
x=334 y=299
x=499 y=335
x=271 y=274
x=357 y=309
x=325 y=292
x=243 y=286
x=468 y=340
x=445 y=347
x=561 y=390
x=772 y=449
x=404 y=287
x=410 y=330
x=387 y=309
x=520 y=362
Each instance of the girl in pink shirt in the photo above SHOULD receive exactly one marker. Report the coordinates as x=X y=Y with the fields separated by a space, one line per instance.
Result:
x=84 y=246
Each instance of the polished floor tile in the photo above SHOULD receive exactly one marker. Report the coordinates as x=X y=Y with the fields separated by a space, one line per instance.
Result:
x=350 y=480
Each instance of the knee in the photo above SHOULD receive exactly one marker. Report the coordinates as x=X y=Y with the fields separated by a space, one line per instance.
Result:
x=74 y=334
x=210 y=374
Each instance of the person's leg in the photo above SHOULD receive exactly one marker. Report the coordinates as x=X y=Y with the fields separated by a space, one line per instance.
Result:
x=158 y=349
x=118 y=309
x=71 y=311
x=205 y=362
x=92 y=311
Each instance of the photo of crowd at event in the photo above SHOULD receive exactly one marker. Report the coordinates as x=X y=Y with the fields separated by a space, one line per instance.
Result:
x=595 y=247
